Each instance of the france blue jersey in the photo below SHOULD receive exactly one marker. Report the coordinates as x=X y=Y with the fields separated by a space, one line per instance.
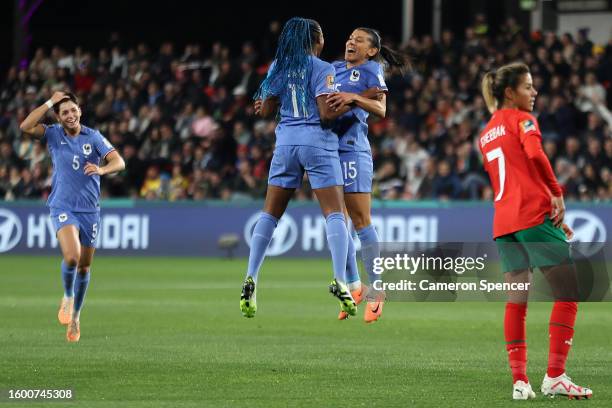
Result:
x=301 y=125
x=352 y=127
x=71 y=189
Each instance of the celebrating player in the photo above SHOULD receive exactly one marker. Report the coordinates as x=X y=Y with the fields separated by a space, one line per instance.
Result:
x=529 y=209
x=360 y=72
x=299 y=82
x=76 y=152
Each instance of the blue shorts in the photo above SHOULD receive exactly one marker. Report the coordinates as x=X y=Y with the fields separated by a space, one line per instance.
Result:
x=289 y=163
x=358 y=170
x=87 y=224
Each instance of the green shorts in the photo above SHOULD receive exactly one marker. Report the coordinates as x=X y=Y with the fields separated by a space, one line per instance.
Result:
x=542 y=245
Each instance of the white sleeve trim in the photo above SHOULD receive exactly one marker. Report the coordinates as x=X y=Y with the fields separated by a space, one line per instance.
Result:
x=109 y=152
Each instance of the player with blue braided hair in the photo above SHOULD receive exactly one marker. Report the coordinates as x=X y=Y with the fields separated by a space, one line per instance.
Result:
x=297 y=85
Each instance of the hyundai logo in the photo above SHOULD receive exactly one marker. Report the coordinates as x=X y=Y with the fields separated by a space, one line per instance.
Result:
x=284 y=237
x=10 y=230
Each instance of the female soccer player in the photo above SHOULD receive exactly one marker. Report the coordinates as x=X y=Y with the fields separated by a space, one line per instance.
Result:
x=76 y=152
x=529 y=209
x=299 y=82
x=361 y=71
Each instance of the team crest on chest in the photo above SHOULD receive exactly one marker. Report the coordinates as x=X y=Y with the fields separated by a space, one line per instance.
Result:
x=354 y=75
x=86 y=149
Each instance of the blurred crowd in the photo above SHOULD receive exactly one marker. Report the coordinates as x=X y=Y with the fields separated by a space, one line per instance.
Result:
x=183 y=118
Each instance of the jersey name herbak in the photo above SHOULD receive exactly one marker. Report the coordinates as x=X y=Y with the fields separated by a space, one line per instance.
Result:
x=71 y=188
x=300 y=123
x=352 y=127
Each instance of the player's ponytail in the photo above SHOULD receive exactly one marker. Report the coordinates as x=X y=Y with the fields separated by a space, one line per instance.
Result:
x=395 y=59
x=292 y=59
x=495 y=82
x=386 y=55
x=488 y=81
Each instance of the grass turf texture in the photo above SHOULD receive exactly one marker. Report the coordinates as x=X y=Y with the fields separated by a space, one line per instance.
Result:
x=168 y=332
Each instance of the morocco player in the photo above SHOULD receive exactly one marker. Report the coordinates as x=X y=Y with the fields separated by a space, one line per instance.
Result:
x=529 y=209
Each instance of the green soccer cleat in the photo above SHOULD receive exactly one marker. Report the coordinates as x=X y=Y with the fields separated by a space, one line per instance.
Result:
x=248 y=302
x=340 y=291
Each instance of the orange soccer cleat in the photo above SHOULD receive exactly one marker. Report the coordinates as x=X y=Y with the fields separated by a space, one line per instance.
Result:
x=64 y=315
x=73 y=332
x=358 y=296
x=373 y=309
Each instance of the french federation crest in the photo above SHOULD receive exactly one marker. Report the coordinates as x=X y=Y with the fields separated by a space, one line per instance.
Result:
x=354 y=75
x=86 y=149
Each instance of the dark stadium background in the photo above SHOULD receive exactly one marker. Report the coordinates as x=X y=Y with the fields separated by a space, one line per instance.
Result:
x=90 y=23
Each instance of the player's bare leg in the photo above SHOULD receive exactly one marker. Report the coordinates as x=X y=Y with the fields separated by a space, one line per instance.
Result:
x=68 y=237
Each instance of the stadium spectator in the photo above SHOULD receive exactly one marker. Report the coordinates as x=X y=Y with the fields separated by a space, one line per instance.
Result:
x=166 y=110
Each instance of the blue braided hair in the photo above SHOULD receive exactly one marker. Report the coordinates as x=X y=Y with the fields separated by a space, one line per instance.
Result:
x=292 y=61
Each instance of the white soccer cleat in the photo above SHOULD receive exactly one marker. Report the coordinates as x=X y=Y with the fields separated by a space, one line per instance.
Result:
x=522 y=391
x=563 y=385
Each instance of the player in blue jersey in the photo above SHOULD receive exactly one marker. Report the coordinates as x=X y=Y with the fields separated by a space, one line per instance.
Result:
x=361 y=70
x=298 y=83
x=76 y=152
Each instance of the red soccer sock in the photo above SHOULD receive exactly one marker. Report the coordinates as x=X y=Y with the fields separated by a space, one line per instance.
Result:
x=561 y=332
x=516 y=340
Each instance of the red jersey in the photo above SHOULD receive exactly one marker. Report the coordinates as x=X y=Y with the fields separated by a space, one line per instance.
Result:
x=520 y=173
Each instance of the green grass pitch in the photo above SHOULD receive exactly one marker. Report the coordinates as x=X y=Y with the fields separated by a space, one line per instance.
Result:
x=167 y=332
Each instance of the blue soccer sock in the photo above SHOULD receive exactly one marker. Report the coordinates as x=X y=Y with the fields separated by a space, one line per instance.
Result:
x=262 y=235
x=80 y=288
x=68 y=275
x=337 y=240
x=370 y=250
x=352 y=271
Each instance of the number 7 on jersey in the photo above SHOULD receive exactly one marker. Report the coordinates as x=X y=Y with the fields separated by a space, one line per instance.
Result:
x=498 y=154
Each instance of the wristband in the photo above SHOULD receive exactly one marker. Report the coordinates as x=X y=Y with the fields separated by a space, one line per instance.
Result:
x=49 y=104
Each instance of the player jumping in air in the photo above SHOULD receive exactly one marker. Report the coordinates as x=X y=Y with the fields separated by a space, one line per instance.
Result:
x=360 y=71
x=76 y=152
x=528 y=226
x=298 y=82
